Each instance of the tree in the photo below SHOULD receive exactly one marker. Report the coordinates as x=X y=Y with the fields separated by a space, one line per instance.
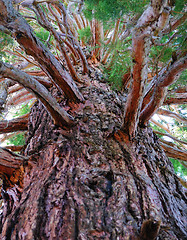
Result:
x=92 y=168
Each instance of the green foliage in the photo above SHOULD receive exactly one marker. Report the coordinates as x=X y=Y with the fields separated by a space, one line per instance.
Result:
x=17 y=140
x=179 y=5
x=42 y=34
x=108 y=9
x=181 y=81
x=5 y=42
x=22 y=110
x=120 y=64
x=180 y=170
x=85 y=34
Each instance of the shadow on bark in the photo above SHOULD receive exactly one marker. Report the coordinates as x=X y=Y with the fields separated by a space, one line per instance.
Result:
x=90 y=183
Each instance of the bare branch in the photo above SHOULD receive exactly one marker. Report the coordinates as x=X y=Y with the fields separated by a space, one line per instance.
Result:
x=170 y=136
x=60 y=116
x=10 y=161
x=178 y=98
x=15 y=88
x=3 y=94
x=24 y=99
x=174 y=152
x=144 y=28
x=24 y=35
x=165 y=78
x=160 y=125
x=14 y=125
x=173 y=25
x=15 y=148
x=171 y=114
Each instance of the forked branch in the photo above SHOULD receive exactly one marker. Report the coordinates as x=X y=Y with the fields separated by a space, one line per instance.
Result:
x=60 y=116
x=165 y=78
x=144 y=28
x=16 y=25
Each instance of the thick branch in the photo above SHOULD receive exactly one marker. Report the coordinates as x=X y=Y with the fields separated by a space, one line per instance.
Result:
x=176 y=23
x=15 y=148
x=14 y=125
x=140 y=50
x=60 y=116
x=174 y=152
x=176 y=99
x=9 y=161
x=165 y=78
x=24 y=35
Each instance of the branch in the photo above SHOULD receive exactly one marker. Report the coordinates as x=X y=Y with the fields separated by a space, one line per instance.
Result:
x=24 y=35
x=175 y=24
x=171 y=114
x=166 y=77
x=60 y=116
x=140 y=51
x=170 y=136
x=15 y=88
x=14 y=125
x=160 y=125
x=69 y=32
x=25 y=99
x=10 y=161
x=3 y=94
x=43 y=21
x=174 y=152
x=113 y=39
x=15 y=148
x=172 y=98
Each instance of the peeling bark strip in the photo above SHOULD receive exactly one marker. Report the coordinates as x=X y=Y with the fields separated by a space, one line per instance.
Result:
x=60 y=116
x=22 y=32
x=14 y=125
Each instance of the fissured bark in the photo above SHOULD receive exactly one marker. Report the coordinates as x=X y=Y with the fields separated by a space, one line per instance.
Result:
x=90 y=182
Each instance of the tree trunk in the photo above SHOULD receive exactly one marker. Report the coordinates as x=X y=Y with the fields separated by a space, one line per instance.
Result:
x=90 y=182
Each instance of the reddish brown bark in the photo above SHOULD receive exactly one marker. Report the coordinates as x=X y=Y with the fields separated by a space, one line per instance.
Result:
x=180 y=99
x=174 y=152
x=165 y=78
x=15 y=148
x=91 y=183
x=60 y=116
x=15 y=88
x=140 y=50
x=96 y=38
x=171 y=114
x=26 y=38
x=9 y=161
x=14 y=125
